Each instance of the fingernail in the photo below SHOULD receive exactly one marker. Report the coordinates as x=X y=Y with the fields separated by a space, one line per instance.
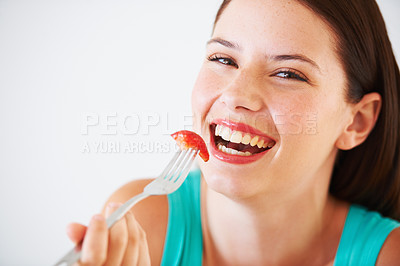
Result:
x=114 y=205
x=98 y=217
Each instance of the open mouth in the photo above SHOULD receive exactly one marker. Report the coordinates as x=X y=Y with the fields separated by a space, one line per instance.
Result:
x=235 y=142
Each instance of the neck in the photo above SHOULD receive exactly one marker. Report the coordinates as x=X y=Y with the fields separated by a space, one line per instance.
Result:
x=269 y=229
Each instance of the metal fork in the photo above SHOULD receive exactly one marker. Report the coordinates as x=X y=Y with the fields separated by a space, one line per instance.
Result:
x=170 y=180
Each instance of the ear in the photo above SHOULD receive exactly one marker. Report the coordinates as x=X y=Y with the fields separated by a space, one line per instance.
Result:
x=364 y=116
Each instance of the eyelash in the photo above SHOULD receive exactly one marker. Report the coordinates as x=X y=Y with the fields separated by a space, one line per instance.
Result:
x=291 y=74
x=284 y=74
x=219 y=59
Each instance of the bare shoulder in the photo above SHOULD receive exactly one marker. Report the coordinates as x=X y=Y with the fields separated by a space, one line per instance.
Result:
x=390 y=254
x=151 y=213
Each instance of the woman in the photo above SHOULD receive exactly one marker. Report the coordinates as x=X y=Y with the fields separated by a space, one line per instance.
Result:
x=299 y=102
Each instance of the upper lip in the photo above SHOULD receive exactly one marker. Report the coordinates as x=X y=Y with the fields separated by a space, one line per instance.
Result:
x=237 y=126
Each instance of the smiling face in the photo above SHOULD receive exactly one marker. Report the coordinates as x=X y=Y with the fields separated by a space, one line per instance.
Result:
x=273 y=91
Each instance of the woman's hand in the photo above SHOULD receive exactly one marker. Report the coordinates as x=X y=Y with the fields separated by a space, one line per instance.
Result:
x=124 y=244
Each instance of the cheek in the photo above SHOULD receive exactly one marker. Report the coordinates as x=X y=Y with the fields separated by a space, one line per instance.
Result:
x=205 y=92
x=291 y=112
x=308 y=129
x=310 y=116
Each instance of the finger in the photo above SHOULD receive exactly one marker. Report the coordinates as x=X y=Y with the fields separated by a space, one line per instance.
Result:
x=132 y=249
x=76 y=232
x=94 y=247
x=144 y=255
x=118 y=238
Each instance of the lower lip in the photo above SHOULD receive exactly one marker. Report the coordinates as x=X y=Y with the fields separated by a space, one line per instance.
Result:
x=231 y=158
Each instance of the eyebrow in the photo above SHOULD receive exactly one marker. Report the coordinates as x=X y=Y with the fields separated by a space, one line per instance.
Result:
x=283 y=57
x=224 y=43
x=298 y=57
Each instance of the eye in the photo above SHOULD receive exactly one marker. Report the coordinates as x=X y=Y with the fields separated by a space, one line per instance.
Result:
x=291 y=74
x=222 y=60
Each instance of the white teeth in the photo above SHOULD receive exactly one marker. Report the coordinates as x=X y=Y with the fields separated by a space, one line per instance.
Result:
x=240 y=137
x=232 y=151
x=254 y=141
x=260 y=143
x=218 y=130
x=268 y=145
x=223 y=148
x=236 y=137
x=246 y=139
x=226 y=133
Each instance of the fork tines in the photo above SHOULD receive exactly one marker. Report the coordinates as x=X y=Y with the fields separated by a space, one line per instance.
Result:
x=179 y=165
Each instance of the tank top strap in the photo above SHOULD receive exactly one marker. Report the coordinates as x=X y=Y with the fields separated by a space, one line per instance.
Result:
x=363 y=236
x=184 y=240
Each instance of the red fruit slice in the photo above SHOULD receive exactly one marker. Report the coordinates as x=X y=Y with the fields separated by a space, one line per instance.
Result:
x=187 y=139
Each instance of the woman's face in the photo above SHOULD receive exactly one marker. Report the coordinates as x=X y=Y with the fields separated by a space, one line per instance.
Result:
x=271 y=77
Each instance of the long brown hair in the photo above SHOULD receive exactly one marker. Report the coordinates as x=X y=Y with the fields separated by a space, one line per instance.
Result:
x=369 y=174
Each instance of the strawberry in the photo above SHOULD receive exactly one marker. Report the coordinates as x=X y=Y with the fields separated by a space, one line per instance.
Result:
x=187 y=139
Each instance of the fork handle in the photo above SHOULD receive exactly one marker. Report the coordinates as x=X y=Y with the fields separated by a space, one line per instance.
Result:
x=75 y=253
x=124 y=208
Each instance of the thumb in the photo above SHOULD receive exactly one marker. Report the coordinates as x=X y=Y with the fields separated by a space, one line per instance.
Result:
x=76 y=232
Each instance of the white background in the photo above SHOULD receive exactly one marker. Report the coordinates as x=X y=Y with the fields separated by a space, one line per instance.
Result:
x=67 y=64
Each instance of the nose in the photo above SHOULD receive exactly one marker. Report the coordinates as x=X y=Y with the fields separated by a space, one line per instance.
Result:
x=243 y=92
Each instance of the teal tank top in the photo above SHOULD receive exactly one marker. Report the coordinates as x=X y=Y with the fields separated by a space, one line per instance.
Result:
x=362 y=238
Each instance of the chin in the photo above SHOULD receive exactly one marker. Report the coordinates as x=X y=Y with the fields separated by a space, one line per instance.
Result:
x=232 y=183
